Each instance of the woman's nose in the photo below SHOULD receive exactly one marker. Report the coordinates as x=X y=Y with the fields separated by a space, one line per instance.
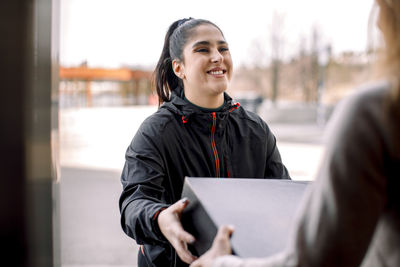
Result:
x=216 y=56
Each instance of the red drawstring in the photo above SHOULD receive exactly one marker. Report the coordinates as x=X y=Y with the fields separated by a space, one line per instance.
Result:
x=141 y=248
x=235 y=106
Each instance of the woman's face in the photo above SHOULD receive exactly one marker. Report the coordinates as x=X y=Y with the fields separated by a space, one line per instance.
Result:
x=207 y=65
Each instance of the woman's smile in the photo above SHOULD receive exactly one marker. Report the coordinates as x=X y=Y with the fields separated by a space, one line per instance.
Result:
x=217 y=72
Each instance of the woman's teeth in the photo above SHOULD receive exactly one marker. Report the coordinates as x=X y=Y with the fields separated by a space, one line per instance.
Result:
x=217 y=72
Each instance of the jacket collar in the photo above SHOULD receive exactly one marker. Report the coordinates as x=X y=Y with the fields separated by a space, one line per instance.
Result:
x=182 y=107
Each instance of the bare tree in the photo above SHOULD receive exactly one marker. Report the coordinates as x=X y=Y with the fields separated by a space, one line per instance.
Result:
x=314 y=68
x=258 y=56
x=277 y=43
x=304 y=67
x=257 y=53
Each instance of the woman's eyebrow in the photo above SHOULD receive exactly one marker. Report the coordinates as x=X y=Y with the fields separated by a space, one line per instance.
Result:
x=208 y=43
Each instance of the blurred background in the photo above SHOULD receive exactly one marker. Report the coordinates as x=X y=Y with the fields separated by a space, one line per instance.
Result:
x=293 y=62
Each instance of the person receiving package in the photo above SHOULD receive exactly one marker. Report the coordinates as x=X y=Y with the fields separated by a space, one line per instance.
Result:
x=198 y=131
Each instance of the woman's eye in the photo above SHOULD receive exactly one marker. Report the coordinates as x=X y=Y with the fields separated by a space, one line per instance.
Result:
x=202 y=50
x=223 y=49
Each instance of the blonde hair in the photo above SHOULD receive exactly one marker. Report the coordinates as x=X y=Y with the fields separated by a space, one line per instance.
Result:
x=389 y=25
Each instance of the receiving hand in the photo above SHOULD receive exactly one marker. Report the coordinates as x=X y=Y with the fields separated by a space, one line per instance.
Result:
x=169 y=222
x=220 y=247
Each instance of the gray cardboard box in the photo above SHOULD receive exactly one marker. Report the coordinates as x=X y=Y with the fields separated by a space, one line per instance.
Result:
x=262 y=211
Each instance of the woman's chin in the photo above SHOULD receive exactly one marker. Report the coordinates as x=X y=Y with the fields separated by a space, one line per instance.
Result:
x=220 y=88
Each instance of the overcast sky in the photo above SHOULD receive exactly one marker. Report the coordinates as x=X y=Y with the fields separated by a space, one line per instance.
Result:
x=113 y=33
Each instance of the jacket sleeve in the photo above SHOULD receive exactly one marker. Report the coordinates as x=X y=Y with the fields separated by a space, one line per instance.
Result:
x=340 y=211
x=143 y=195
x=274 y=167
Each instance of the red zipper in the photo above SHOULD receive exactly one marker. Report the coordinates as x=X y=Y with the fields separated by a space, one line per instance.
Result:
x=213 y=144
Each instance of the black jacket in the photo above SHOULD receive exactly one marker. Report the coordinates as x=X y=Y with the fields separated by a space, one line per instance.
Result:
x=181 y=140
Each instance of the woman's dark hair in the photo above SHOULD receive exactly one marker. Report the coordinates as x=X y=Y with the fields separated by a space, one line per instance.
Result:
x=177 y=35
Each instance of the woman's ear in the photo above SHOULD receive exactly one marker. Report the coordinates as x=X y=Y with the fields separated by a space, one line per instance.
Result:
x=178 y=68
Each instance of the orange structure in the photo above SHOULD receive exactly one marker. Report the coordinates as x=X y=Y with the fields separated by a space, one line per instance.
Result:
x=120 y=75
x=90 y=74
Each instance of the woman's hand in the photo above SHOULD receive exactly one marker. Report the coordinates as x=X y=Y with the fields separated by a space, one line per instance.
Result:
x=220 y=247
x=169 y=222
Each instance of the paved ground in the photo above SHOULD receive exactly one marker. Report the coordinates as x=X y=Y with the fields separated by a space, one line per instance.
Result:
x=90 y=231
x=92 y=146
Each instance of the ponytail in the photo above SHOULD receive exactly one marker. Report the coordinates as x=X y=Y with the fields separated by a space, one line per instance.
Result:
x=165 y=79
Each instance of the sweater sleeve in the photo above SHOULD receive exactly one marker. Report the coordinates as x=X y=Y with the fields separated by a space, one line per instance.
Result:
x=234 y=261
x=349 y=195
x=143 y=195
x=339 y=214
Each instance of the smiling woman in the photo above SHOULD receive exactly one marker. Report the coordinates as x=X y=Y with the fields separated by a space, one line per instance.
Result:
x=198 y=131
